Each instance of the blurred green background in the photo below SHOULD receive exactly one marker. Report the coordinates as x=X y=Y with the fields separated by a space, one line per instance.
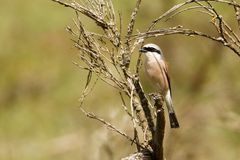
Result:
x=39 y=89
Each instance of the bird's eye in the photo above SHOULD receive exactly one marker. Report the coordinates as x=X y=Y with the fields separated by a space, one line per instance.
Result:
x=151 y=49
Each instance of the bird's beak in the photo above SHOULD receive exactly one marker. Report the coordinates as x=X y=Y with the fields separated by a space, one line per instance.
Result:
x=142 y=50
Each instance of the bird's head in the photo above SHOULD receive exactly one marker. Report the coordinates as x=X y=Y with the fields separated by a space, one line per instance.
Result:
x=152 y=48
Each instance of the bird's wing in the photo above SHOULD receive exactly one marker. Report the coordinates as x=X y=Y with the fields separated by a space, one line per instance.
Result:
x=165 y=69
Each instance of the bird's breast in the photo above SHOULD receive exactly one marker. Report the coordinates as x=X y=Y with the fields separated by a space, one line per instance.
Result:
x=154 y=70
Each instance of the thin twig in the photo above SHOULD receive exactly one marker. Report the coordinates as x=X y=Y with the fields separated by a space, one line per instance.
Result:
x=110 y=126
x=187 y=32
x=84 y=11
x=170 y=11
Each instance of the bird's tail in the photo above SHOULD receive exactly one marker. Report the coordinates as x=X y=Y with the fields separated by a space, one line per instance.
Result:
x=173 y=120
x=172 y=116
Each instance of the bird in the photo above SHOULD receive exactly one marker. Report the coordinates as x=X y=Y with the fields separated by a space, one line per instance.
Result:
x=157 y=72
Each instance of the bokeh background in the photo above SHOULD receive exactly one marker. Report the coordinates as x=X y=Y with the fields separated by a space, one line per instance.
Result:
x=40 y=87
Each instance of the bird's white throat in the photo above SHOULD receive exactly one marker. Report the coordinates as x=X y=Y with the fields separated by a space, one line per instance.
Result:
x=153 y=56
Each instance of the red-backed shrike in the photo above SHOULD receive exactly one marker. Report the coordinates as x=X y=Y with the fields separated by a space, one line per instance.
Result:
x=156 y=71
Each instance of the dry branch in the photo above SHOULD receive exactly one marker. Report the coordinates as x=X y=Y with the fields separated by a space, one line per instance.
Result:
x=160 y=129
x=111 y=127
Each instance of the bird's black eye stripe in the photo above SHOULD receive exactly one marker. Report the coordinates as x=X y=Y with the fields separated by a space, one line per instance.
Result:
x=151 y=49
